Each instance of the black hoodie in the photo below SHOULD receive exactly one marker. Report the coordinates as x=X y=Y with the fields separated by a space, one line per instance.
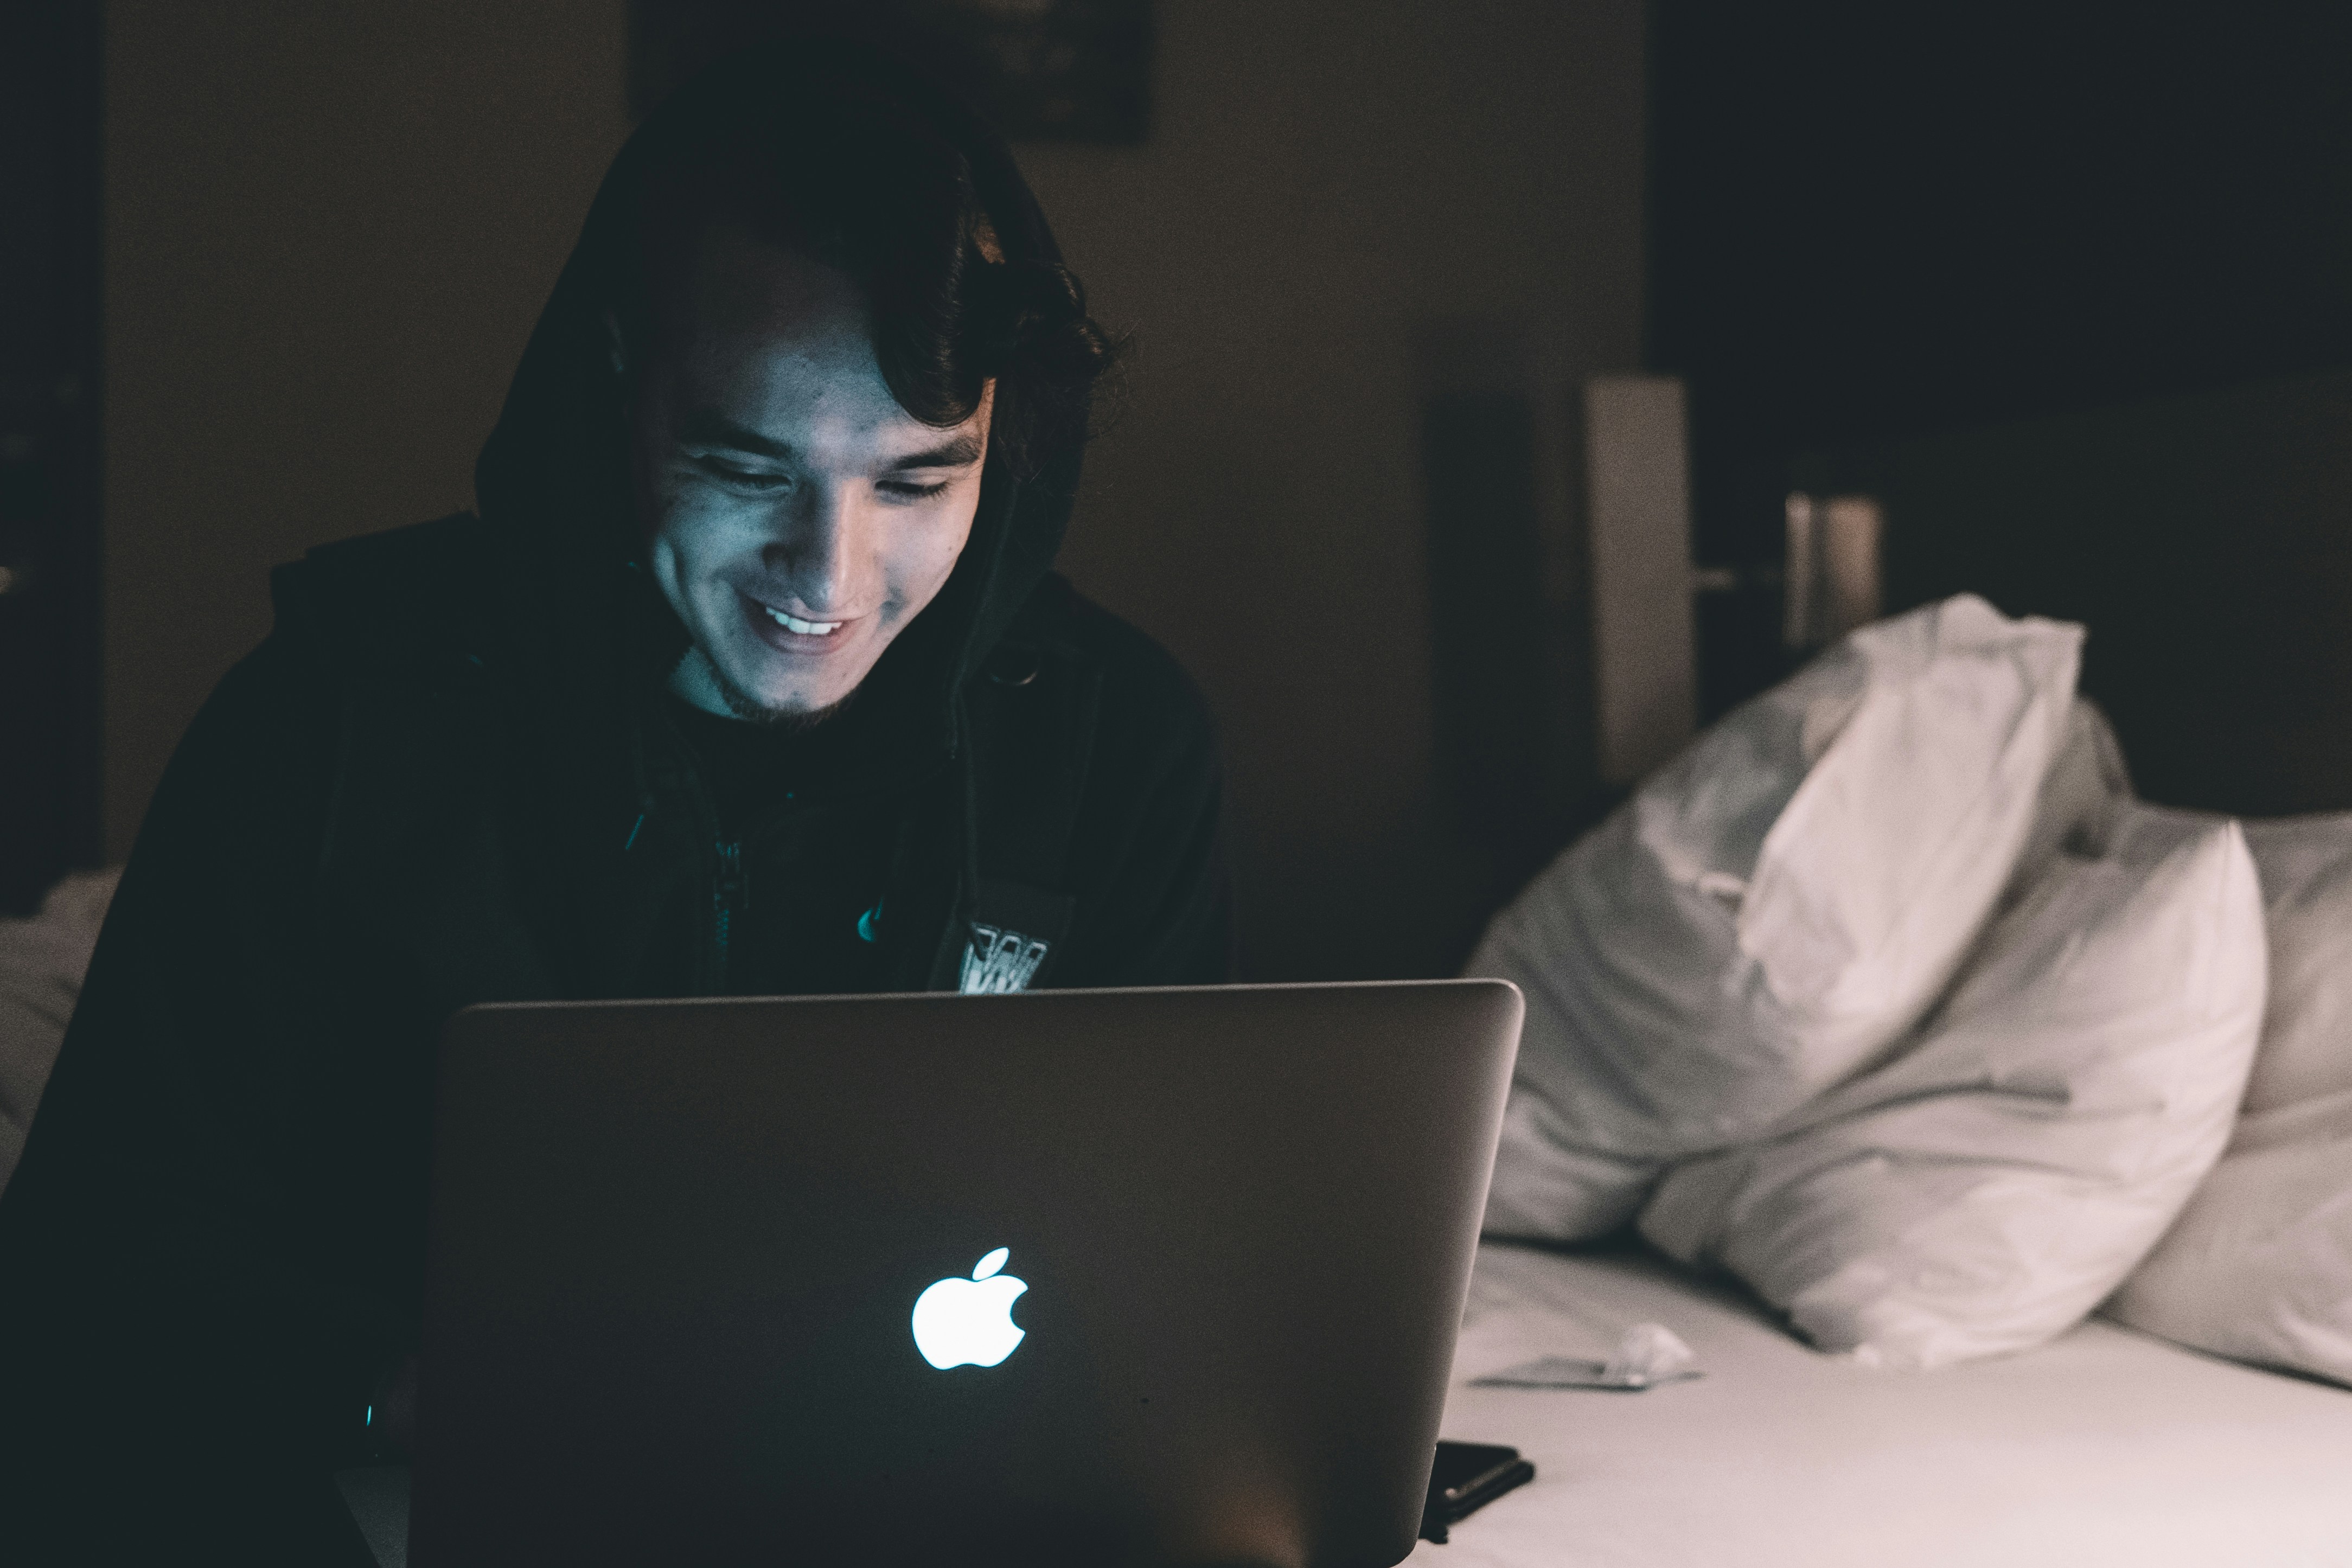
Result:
x=452 y=775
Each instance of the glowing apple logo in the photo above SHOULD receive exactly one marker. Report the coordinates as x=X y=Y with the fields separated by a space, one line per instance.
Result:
x=969 y=1323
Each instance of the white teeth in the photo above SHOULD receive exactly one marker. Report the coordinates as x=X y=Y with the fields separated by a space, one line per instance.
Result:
x=805 y=628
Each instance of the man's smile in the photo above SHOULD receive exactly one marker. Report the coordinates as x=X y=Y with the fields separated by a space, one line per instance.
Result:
x=790 y=633
x=806 y=628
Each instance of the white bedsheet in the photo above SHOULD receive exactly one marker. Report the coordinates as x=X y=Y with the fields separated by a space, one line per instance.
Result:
x=2106 y=1448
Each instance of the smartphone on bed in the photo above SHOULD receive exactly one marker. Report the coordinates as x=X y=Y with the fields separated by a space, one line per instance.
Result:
x=1468 y=1476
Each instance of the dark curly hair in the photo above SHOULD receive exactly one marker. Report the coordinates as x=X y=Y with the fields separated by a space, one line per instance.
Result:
x=856 y=172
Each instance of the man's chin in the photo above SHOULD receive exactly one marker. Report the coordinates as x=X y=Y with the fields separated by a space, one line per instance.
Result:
x=785 y=713
x=705 y=683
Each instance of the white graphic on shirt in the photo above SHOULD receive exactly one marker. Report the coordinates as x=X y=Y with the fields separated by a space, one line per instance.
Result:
x=998 y=961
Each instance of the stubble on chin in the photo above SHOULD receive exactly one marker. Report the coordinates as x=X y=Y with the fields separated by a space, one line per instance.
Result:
x=751 y=710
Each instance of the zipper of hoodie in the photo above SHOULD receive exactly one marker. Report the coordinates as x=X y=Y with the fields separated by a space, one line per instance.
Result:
x=728 y=896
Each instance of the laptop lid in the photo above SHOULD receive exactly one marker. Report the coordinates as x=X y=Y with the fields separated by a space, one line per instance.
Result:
x=1103 y=1277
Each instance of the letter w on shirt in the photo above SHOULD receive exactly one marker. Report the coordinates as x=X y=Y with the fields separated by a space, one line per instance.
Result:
x=998 y=961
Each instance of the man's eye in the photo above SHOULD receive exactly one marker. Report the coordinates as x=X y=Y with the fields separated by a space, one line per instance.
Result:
x=742 y=478
x=905 y=490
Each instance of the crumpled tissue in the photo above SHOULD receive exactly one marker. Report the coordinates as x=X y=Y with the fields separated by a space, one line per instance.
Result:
x=1646 y=1354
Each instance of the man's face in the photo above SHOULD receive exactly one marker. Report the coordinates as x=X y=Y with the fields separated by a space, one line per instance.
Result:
x=799 y=518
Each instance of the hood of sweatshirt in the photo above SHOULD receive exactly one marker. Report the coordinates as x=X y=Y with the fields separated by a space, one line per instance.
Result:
x=553 y=479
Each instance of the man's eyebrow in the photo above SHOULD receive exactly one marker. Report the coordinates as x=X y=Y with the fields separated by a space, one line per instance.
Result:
x=958 y=453
x=709 y=428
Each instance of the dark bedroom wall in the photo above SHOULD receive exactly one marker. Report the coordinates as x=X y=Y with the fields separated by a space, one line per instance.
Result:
x=2205 y=540
x=1872 y=222
x=1347 y=208
x=329 y=228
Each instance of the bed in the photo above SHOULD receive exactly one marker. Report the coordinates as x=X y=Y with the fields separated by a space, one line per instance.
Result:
x=2202 y=541
x=2106 y=1447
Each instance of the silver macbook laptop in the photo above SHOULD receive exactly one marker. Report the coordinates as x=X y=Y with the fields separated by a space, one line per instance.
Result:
x=1100 y=1277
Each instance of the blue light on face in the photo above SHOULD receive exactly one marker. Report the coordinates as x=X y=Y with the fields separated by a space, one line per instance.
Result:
x=370 y=1416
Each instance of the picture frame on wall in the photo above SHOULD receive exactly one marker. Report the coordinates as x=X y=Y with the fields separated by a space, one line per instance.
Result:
x=1056 y=70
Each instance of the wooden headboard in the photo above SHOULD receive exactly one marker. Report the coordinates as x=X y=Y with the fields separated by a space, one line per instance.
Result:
x=2205 y=541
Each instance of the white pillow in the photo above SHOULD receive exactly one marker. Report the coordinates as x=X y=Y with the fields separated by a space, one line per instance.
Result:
x=1773 y=909
x=1993 y=1182
x=2080 y=801
x=2260 y=1265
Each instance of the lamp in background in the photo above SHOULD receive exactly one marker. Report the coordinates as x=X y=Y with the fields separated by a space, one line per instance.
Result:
x=1637 y=473
x=1830 y=581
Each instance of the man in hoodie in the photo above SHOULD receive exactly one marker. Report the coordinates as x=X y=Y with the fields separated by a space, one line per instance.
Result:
x=750 y=677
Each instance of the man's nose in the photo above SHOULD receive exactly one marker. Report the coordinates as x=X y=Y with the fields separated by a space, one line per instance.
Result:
x=811 y=555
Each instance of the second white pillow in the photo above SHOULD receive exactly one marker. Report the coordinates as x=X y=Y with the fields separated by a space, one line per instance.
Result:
x=1995 y=1180
x=2260 y=1265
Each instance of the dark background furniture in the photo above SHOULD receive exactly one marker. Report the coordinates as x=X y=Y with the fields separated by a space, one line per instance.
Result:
x=2206 y=542
x=1869 y=223
x=49 y=361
